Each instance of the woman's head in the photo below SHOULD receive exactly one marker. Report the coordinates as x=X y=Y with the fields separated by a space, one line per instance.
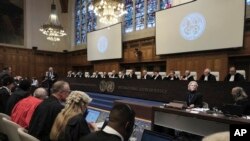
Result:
x=238 y=93
x=77 y=99
x=76 y=103
x=192 y=86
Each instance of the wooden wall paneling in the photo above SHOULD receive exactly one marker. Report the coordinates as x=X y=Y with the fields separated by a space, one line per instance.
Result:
x=216 y=62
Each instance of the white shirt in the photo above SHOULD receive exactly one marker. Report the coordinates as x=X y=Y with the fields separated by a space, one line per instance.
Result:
x=112 y=131
x=206 y=78
x=231 y=78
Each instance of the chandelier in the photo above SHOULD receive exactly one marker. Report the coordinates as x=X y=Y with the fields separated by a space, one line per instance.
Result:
x=53 y=29
x=108 y=10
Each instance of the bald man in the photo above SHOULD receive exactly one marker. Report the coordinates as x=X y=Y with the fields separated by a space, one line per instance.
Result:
x=207 y=76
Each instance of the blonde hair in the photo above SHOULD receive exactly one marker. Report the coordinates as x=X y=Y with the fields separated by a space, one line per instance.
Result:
x=76 y=104
x=240 y=94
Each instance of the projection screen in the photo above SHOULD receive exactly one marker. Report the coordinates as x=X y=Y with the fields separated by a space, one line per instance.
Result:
x=105 y=43
x=200 y=25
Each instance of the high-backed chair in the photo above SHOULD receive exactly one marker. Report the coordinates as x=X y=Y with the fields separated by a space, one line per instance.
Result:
x=216 y=74
x=24 y=136
x=177 y=74
x=138 y=74
x=242 y=72
x=2 y=126
x=128 y=71
x=163 y=74
x=194 y=74
x=11 y=129
x=150 y=73
x=86 y=74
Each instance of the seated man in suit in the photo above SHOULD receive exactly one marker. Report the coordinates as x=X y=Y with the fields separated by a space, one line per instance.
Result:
x=114 y=74
x=234 y=76
x=241 y=98
x=207 y=76
x=145 y=75
x=171 y=76
x=187 y=76
x=157 y=76
x=194 y=98
x=132 y=75
x=119 y=127
x=105 y=75
x=123 y=75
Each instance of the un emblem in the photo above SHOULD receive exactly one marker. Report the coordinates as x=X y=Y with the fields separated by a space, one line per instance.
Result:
x=108 y=86
x=192 y=26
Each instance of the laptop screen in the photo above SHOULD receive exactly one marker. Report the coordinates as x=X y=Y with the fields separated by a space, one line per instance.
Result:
x=92 y=115
x=154 y=136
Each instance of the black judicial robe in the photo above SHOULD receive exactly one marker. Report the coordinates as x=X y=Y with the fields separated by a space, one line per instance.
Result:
x=18 y=95
x=237 y=77
x=44 y=117
x=100 y=136
x=4 y=96
x=194 y=98
x=75 y=128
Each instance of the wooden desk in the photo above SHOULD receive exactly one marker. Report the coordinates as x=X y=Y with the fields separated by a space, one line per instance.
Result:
x=199 y=124
x=214 y=93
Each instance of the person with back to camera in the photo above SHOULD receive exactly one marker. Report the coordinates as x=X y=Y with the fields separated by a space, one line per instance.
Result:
x=119 y=127
x=194 y=98
x=70 y=124
x=241 y=98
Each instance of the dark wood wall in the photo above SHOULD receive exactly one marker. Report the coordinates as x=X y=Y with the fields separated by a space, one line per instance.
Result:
x=28 y=62
x=31 y=63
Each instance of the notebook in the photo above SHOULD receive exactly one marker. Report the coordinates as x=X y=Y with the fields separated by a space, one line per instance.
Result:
x=92 y=115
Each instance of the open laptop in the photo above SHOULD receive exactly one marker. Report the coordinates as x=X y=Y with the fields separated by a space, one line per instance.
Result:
x=231 y=109
x=154 y=136
x=92 y=115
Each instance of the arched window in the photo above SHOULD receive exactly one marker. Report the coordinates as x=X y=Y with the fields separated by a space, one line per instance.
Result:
x=85 y=21
x=152 y=7
x=139 y=14
x=128 y=18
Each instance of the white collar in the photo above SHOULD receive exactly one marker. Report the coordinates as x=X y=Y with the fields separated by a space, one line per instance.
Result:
x=112 y=131
x=9 y=91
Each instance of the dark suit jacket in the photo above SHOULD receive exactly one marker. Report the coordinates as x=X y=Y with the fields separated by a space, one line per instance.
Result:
x=210 y=77
x=105 y=76
x=194 y=98
x=134 y=76
x=114 y=76
x=237 y=77
x=100 y=136
x=43 y=118
x=245 y=103
x=169 y=78
x=159 y=77
x=4 y=96
x=191 y=78
x=148 y=77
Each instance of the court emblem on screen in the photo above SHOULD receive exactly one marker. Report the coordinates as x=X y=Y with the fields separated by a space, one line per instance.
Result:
x=102 y=44
x=192 y=26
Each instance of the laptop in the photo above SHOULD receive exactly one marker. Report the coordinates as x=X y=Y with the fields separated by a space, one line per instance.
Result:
x=231 y=109
x=154 y=136
x=92 y=115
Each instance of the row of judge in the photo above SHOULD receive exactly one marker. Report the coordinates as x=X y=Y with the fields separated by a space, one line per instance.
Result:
x=206 y=76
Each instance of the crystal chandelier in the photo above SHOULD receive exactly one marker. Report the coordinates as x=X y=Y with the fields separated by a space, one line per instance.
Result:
x=53 y=29
x=108 y=10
